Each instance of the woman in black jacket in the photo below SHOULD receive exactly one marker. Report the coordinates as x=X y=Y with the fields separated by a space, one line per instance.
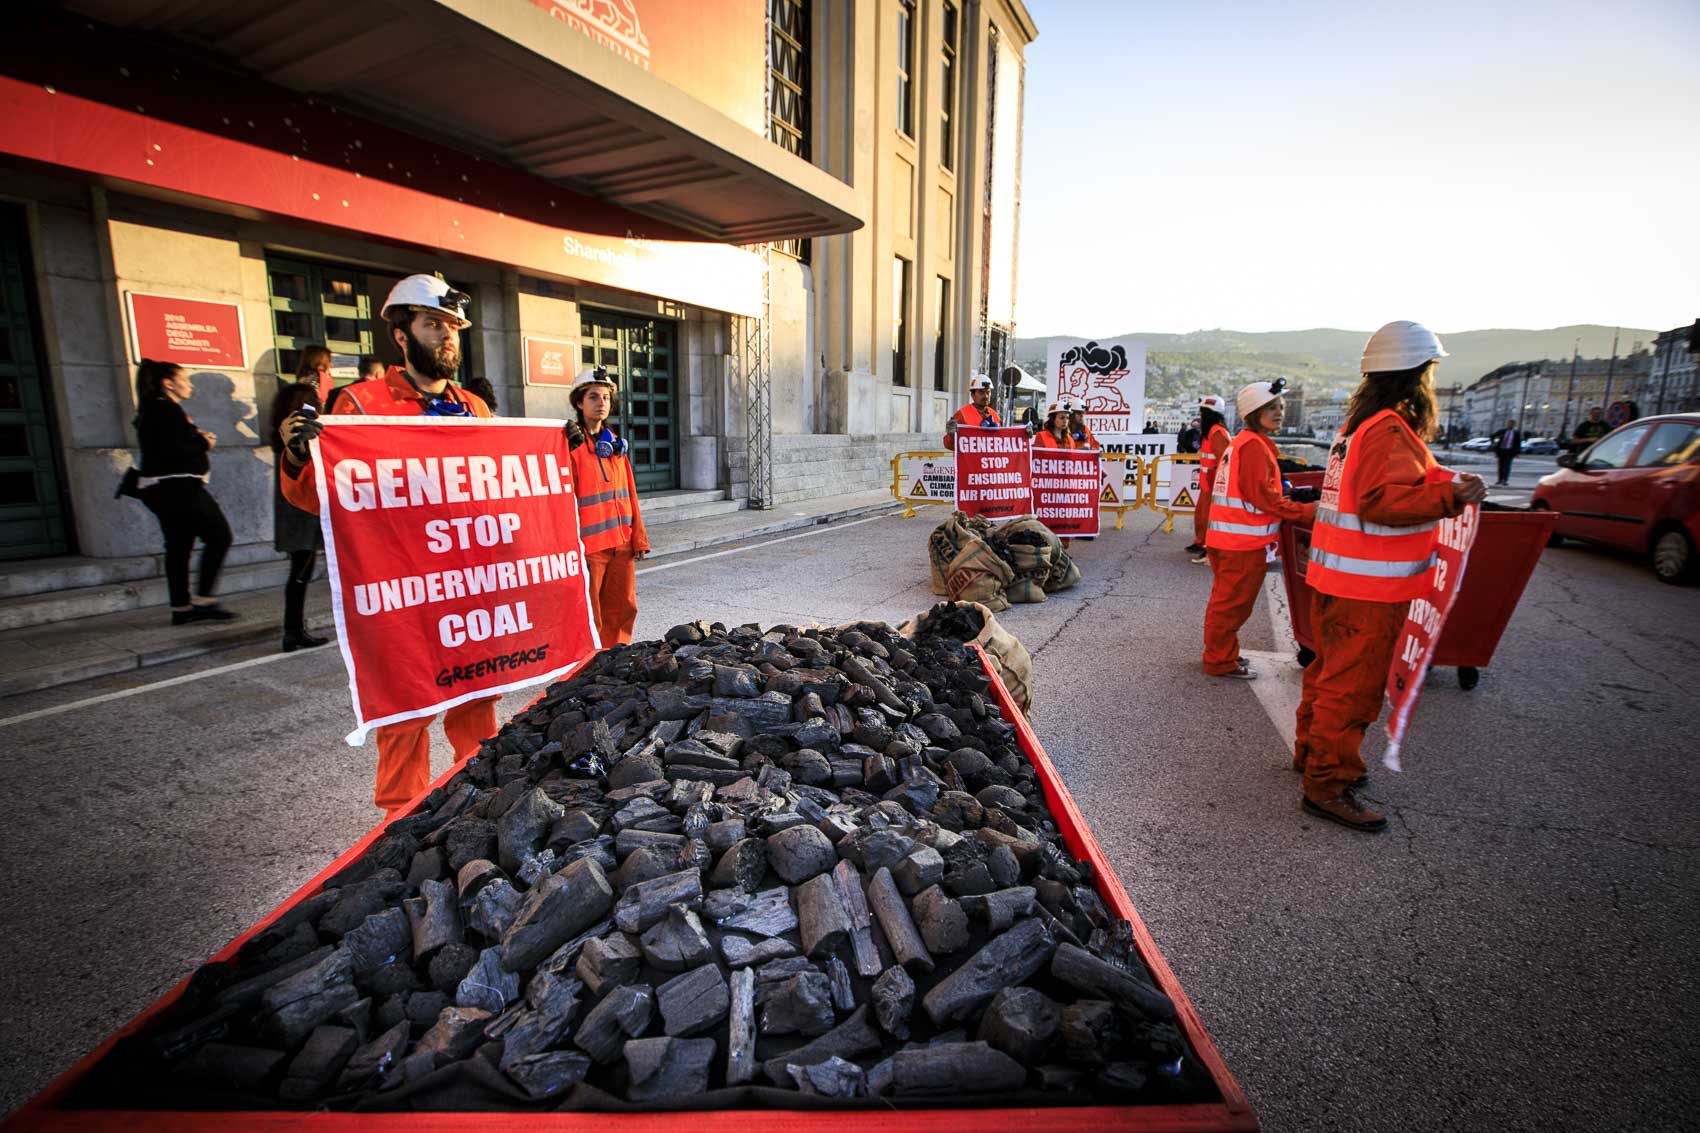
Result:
x=295 y=531
x=173 y=485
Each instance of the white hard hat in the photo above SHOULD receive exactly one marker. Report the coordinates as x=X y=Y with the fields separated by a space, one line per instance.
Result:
x=1061 y=405
x=590 y=376
x=979 y=381
x=428 y=293
x=1255 y=396
x=1211 y=401
x=1403 y=345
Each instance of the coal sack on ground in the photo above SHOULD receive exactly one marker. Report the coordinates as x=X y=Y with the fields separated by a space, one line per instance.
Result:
x=733 y=868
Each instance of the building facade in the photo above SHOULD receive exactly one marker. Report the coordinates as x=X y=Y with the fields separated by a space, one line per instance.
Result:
x=787 y=229
x=1549 y=398
x=1673 y=380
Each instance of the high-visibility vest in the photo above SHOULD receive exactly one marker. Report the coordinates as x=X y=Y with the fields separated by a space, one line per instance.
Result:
x=1207 y=458
x=605 y=491
x=1351 y=557
x=1234 y=524
x=394 y=396
x=1043 y=439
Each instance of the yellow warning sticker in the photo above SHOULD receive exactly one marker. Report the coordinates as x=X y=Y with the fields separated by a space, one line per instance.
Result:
x=1183 y=498
x=1109 y=496
x=919 y=489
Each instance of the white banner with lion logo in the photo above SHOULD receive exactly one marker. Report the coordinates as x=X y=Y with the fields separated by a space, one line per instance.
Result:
x=1107 y=376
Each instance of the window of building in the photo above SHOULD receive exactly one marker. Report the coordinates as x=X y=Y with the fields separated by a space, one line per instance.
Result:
x=899 y=321
x=941 y=317
x=906 y=68
x=337 y=307
x=947 y=90
x=788 y=83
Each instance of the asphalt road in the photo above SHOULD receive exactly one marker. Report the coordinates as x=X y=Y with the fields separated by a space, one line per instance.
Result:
x=1515 y=953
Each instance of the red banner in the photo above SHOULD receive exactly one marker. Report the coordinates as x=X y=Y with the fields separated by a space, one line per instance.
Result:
x=196 y=333
x=1065 y=489
x=993 y=472
x=1427 y=617
x=455 y=562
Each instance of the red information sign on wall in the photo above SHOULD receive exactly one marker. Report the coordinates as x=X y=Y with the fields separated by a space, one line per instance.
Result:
x=993 y=472
x=1453 y=539
x=1066 y=485
x=549 y=361
x=199 y=333
x=455 y=562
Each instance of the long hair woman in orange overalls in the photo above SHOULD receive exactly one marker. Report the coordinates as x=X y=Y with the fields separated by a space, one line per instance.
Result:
x=609 y=522
x=1246 y=510
x=1213 y=443
x=1371 y=552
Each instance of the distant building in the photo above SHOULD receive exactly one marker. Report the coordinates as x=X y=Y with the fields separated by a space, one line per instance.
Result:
x=1548 y=398
x=1673 y=383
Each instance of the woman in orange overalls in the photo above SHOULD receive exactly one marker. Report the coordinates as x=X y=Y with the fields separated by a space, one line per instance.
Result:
x=1057 y=432
x=1371 y=553
x=1213 y=421
x=1246 y=510
x=609 y=522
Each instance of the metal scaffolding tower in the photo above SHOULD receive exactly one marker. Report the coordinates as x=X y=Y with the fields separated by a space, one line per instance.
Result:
x=752 y=356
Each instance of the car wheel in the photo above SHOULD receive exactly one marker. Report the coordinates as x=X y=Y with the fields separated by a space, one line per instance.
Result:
x=1555 y=539
x=1674 y=560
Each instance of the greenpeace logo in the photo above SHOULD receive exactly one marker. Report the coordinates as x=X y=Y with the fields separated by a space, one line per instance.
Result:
x=490 y=666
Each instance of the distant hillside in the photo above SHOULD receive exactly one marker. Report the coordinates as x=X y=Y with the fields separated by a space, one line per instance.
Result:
x=1329 y=357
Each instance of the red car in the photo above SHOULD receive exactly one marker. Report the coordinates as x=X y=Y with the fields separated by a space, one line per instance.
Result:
x=1638 y=488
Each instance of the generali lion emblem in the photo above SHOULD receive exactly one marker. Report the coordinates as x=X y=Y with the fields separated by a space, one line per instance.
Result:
x=612 y=23
x=1092 y=374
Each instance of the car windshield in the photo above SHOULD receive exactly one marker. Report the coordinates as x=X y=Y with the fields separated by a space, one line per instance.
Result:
x=1672 y=443
x=1613 y=451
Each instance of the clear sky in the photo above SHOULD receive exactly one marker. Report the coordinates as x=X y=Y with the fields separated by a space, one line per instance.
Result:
x=1255 y=166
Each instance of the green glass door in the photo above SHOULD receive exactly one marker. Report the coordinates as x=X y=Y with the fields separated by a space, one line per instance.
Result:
x=639 y=355
x=32 y=514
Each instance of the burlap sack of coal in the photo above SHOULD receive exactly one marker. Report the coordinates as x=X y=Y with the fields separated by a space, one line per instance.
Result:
x=973 y=623
x=947 y=541
x=977 y=574
x=1013 y=540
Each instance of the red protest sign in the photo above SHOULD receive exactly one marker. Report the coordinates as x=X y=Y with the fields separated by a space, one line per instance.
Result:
x=455 y=562
x=1426 y=619
x=197 y=333
x=1065 y=489
x=993 y=472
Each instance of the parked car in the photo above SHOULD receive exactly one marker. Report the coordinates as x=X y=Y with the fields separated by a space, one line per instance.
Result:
x=1540 y=446
x=1477 y=443
x=1637 y=487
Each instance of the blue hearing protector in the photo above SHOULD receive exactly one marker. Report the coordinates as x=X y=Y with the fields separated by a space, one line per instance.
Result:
x=607 y=444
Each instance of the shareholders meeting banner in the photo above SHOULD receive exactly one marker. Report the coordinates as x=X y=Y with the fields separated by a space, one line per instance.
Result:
x=455 y=562
x=993 y=473
x=1414 y=653
x=1066 y=486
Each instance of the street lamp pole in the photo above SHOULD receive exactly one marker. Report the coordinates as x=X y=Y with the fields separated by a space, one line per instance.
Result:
x=1611 y=367
x=1570 y=393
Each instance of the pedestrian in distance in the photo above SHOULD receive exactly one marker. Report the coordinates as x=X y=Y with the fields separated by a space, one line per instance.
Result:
x=1371 y=552
x=485 y=391
x=610 y=523
x=1188 y=438
x=424 y=317
x=1246 y=511
x=978 y=413
x=296 y=532
x=1212 y=423
x=173 y=482
x=1506 y=444
x=1589 y=431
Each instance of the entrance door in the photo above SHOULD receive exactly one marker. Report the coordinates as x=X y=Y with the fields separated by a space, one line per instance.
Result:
x=638 y=354
x=32 y=515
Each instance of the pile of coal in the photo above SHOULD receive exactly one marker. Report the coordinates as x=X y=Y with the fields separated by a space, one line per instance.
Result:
x=791 y=861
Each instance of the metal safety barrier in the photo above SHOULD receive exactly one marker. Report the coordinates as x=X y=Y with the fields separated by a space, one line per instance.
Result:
x=1165 y=499
x=922 y=478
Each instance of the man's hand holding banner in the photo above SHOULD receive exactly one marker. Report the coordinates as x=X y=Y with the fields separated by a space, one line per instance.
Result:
x=455 y=562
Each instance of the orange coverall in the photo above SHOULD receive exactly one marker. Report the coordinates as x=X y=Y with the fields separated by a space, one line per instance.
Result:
x=1238 y=575
x=1355 y=637
x=404 y=748
x=610 y=554
x=969 y=417
x=1217 y=442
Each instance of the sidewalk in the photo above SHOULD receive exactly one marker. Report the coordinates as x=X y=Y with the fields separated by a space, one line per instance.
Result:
x=64 y=652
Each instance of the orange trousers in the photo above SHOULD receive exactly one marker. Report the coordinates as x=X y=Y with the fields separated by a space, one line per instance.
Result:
x=1343 y=688
x=404 y=749
x=613 y=594
x=1233 y=596
x=1201 y=517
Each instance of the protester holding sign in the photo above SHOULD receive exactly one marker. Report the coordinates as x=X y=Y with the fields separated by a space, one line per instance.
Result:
x=609 y=520
x=425 y=317
x=1245 y=517
x=1213 y=423
x=1077 y=426
x=978 y=413
x=1058 y=432
x=1372 y=551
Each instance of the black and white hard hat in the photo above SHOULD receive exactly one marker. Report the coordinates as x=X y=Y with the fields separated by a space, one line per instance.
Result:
x=428 y=293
